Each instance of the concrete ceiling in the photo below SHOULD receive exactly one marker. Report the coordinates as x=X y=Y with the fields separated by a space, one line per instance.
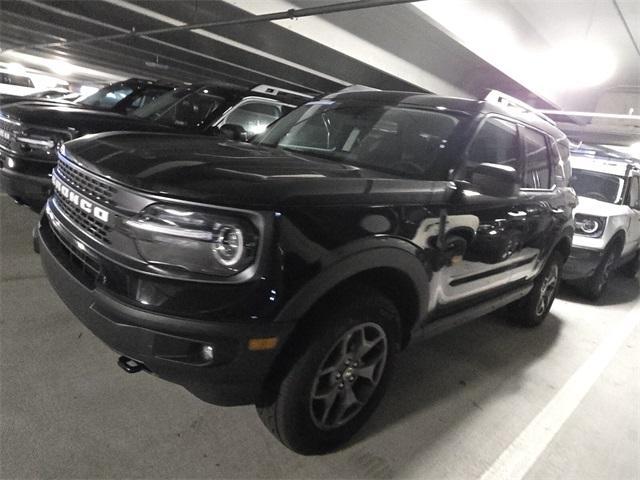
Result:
x=455 y=47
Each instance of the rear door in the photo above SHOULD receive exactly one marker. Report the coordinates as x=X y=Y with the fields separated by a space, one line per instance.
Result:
x=541 y=206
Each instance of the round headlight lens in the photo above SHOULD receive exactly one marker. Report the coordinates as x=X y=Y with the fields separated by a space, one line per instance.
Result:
x=589 y=226
x=228 y=245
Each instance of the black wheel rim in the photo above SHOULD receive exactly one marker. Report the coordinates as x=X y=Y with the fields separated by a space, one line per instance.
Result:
x=348 y=376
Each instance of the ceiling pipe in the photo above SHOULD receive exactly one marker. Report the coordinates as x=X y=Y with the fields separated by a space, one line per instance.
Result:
x=268 y=17
x=626 y=26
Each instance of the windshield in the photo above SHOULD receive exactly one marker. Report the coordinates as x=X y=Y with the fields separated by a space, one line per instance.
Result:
x=108 y=97
x=397 y=140
x=182 y=108
x=600 y=186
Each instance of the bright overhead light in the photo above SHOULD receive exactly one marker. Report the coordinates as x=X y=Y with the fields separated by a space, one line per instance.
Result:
x=583 y=64
x=87 y=90
x=61 y=67
x=15 y=67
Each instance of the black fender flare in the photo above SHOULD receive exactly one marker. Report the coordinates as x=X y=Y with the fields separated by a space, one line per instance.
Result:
x=399 y=258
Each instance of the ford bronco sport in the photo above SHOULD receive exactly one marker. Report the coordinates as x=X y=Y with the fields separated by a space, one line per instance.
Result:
x=288 y=272
x=607 y=218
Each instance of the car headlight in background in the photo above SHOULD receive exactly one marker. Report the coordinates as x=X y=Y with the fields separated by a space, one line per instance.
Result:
x=590 y=225
x=193 y=240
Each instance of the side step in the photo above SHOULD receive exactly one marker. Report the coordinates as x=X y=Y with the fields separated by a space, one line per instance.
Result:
x=451 y=321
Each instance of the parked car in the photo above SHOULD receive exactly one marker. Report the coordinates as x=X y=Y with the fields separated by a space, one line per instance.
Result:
x=289 y=271
x=15 y=84
x=607 y=218
x=30 y=132
x=55 y=94
x=28 y=150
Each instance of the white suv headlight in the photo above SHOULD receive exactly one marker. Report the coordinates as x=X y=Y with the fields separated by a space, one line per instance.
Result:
x=590 y=225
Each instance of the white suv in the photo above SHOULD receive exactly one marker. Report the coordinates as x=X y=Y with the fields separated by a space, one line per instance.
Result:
x=607 y=218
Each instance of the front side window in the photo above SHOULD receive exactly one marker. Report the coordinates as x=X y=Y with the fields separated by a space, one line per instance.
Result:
x=146 y=97
x=495 y=142
x=191 y=111
x=536 y=170
x=397 y=140
x=108 y=97
x=634 y=193
x=255 y=116
x=599 y=186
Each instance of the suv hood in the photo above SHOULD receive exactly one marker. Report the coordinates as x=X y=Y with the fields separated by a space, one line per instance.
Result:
x=57 y=116
x=222 y=172
x=591 y=206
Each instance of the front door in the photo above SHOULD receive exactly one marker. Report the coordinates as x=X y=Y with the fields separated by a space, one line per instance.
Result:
x=500 y=225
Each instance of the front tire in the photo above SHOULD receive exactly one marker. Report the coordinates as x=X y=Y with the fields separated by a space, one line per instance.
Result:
x=339 y=376
x=596 y=284
x=531 y=310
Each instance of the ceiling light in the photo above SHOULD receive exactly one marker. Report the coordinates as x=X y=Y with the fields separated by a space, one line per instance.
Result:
x=61 y=67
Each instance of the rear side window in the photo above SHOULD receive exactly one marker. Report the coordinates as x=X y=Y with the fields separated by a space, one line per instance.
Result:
x=496 y=142
x=255 y=116
x=536 y=170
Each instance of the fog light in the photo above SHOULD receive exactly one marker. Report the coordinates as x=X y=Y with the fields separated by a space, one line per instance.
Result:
x=11 y=163
x=207 y=352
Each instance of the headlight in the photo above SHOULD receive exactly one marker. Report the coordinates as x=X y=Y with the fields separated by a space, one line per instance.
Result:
x=589 y=225
x=42 y=143
x=200 y=241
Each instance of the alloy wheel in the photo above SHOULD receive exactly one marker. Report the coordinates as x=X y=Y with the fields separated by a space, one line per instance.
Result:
x=547 y=290
x=348 y=375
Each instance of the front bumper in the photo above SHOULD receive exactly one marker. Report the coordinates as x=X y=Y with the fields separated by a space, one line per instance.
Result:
x=169 y=347
x=582 y=263
x=31 y=190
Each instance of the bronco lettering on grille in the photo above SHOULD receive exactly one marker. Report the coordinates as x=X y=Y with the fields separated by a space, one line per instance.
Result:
x=80 y=202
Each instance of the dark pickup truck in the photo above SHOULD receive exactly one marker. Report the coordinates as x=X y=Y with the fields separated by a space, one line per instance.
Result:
x=289 y=271
x=30 y=133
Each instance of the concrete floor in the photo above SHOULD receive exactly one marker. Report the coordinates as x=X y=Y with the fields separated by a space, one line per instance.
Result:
x=457 y=402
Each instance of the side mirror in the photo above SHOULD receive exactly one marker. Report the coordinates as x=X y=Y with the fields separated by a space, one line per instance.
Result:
x=495 y=180
x=234 y=132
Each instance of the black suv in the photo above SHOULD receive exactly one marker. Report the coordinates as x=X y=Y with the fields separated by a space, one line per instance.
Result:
x=289 y=271
x=31 y=132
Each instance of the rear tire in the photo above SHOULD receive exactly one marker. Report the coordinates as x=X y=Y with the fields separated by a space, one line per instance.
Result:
x=338 y=376
x=631 y=268
x=596 y=284
x=530 y=311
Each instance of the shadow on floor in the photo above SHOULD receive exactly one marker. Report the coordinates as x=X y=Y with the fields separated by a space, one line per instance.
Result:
x=620 y=290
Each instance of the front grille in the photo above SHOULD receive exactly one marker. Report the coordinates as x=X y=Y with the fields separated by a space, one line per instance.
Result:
x=85 y=268
x=83 y=220
x=85 y=184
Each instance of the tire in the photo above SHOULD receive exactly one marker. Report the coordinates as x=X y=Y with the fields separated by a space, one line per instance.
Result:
x=632 y=267
x=530 y=311
x=596 y=284
x=311 y=410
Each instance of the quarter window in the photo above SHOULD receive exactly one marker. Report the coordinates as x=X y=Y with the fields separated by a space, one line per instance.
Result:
x=536 y=170
x=496 y=142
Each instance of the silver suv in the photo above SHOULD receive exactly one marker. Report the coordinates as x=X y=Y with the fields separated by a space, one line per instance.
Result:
x=607 y=219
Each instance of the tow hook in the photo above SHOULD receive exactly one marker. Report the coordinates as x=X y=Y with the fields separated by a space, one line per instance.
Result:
x=130 y=366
